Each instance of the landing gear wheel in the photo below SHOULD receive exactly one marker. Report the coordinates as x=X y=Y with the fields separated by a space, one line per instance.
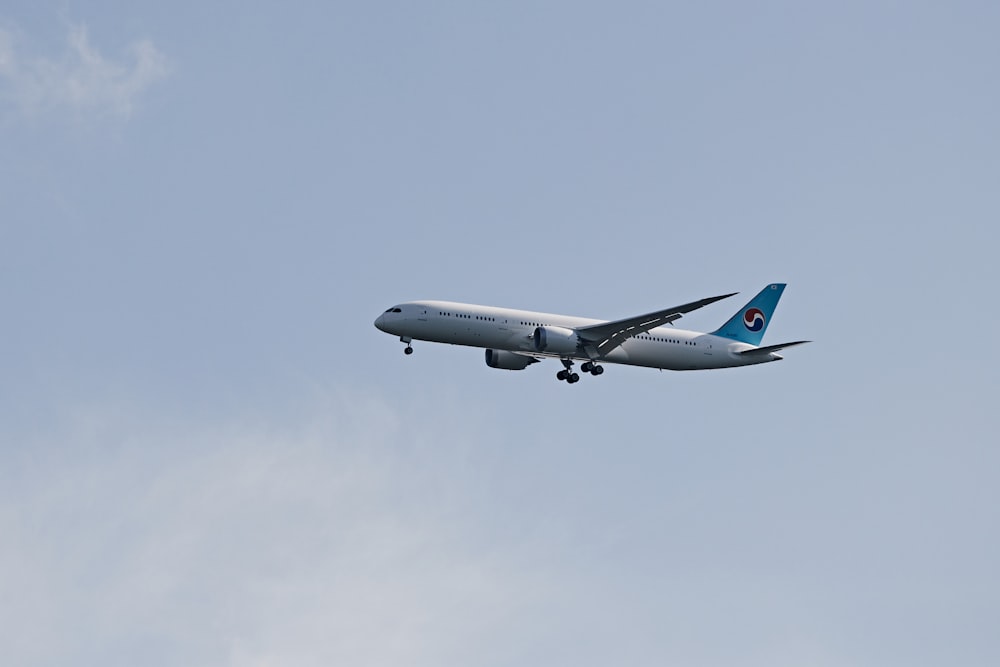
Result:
x=408 y=350
x=567 y=372
x=597 y=370
x=587 y=366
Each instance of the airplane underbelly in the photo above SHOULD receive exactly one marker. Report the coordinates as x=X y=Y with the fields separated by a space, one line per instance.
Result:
x=659 y=355
x=460 y=333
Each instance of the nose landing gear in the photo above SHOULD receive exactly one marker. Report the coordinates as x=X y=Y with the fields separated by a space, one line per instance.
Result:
x=407 y=340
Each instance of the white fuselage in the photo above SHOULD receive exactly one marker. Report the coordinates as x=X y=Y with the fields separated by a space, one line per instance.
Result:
x=511 y=330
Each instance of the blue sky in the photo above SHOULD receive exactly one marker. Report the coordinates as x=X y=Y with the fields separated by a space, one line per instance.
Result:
x=208 y=455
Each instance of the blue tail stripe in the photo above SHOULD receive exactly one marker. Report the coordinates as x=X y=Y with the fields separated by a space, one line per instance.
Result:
x=750 y=322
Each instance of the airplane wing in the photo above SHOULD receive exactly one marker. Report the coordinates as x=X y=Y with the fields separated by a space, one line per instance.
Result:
x=768 y=349
x=604 y=337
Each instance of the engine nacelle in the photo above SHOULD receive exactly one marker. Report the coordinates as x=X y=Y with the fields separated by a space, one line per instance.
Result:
x=555 y=340
x=508 y=361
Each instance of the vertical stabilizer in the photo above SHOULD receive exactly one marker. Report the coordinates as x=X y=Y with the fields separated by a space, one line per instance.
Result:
x=750 y=322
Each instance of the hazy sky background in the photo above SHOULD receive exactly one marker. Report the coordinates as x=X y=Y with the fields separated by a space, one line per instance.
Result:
x=209 y=456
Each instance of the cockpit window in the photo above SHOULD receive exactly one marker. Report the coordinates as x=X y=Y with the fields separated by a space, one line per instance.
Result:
x=394 y=310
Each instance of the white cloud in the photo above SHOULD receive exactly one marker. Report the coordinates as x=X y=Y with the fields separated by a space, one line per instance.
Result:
x=360 y=532
x=82 y=80
x=324 y=543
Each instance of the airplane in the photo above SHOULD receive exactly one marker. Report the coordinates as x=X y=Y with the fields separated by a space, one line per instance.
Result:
x=515 y=339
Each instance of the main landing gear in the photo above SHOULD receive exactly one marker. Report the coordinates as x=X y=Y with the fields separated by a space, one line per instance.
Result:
x=570 y=377
x=407 y=340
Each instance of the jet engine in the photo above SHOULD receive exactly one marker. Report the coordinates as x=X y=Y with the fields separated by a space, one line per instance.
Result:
x=508 y=361
x=555 y=340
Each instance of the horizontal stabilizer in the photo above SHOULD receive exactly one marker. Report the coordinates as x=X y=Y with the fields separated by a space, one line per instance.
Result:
x=768 y=349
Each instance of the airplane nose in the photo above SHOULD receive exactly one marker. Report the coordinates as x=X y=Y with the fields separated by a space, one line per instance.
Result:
x=380 y=322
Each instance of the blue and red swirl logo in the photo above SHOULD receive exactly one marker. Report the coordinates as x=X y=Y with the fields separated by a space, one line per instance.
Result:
x=753 y=319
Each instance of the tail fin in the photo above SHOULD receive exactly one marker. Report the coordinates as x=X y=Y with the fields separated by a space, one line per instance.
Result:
x=749 y=324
